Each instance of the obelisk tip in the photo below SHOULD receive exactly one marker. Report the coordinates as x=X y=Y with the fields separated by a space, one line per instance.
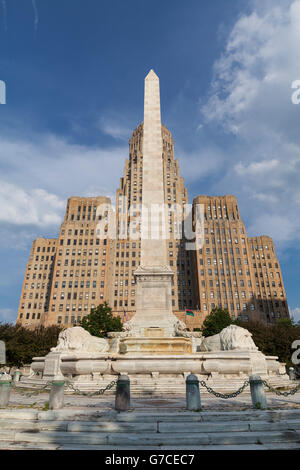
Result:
x=151 y=75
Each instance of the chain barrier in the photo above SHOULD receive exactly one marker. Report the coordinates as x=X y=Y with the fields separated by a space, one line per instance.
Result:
x=30 y=394
x=91 y=394
x=68 y=385
x=101 y=391
x=223 y=395
x=277 y=392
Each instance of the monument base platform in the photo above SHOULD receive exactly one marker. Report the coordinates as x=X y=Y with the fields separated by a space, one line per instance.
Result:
x=157 y=374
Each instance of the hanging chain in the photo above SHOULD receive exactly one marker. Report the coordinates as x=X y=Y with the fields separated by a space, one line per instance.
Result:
x=285 y=394
x=68 y=385
x=30 y=394
x=222 y=395
x=90 y=394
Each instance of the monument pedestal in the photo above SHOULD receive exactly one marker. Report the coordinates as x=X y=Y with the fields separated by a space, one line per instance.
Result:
x=153 y=302
x=156 y=346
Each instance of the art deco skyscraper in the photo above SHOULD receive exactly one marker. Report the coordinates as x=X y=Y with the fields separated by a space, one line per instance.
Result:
x=235 y=272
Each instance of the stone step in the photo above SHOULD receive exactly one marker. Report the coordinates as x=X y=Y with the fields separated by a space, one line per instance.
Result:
x=151 y=439
x=90 y=429
x=5 y=445
x=149 y=427
x=162 y=416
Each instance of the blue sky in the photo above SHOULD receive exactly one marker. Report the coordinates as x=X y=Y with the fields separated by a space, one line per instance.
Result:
x=74 y=72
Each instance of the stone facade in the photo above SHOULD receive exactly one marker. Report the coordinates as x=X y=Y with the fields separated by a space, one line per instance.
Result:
x=36 y=290
x=233 y=271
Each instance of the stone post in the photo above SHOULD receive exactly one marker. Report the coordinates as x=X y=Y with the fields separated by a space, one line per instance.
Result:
x=56 y=399
x=5 y=384
x=193 y=401
x=122 y=402
x=257 y=392
x=16 y=377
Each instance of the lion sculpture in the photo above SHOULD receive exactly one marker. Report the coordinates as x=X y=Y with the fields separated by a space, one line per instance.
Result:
x=77 y=339
x=231 y=338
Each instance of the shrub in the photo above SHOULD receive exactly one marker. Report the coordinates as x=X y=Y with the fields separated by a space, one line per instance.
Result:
x=274 y=340
x=216 y=321
x=100 y=321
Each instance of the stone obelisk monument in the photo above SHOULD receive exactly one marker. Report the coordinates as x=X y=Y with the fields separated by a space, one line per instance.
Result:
x=154 y=314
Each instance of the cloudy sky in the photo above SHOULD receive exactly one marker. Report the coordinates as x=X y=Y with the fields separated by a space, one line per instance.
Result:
x=74 y=72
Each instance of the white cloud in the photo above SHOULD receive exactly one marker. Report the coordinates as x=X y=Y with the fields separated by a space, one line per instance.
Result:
x=281 y=227
x=250 y=98
x=295 y=313
x=195 y=166
x=60 y=167
x=7 y=315
x=256 y=168
x=39 y=174
x=115 y=128
x=32 y=207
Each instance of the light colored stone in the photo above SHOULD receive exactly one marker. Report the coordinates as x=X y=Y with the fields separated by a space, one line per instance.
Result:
x=156 y=346
x=112 y=427
x=62 y=437
x=78 y=339
x=154 y=275
x=231 y=338
x=193 y=427
x=4 y=377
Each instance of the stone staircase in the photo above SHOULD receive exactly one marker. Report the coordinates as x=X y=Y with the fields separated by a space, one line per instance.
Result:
x=149 y=430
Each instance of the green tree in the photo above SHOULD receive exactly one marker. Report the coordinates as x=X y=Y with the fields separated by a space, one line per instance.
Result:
x=100 y=321
x=215 y=322
x=22 y=344
x=274 y=340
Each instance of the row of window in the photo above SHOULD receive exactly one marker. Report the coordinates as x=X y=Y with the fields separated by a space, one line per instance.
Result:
x=227 y=294
x=84 y=252
x=82 y=262
x=73 y=307
x=230 y=307
x=215 y=261
x=81 y=241
x=79 y=232
x=69 y=284
x=223 y=230
x=216 y=272
x=223 y=283
x=38 y=276
x=88 y=273
x=224 y=240
x=220 y=251
x=43 y=249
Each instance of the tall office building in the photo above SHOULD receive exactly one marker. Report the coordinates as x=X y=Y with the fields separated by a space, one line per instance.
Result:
x=35 y=295
x=94 y=260
x=233 y=271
